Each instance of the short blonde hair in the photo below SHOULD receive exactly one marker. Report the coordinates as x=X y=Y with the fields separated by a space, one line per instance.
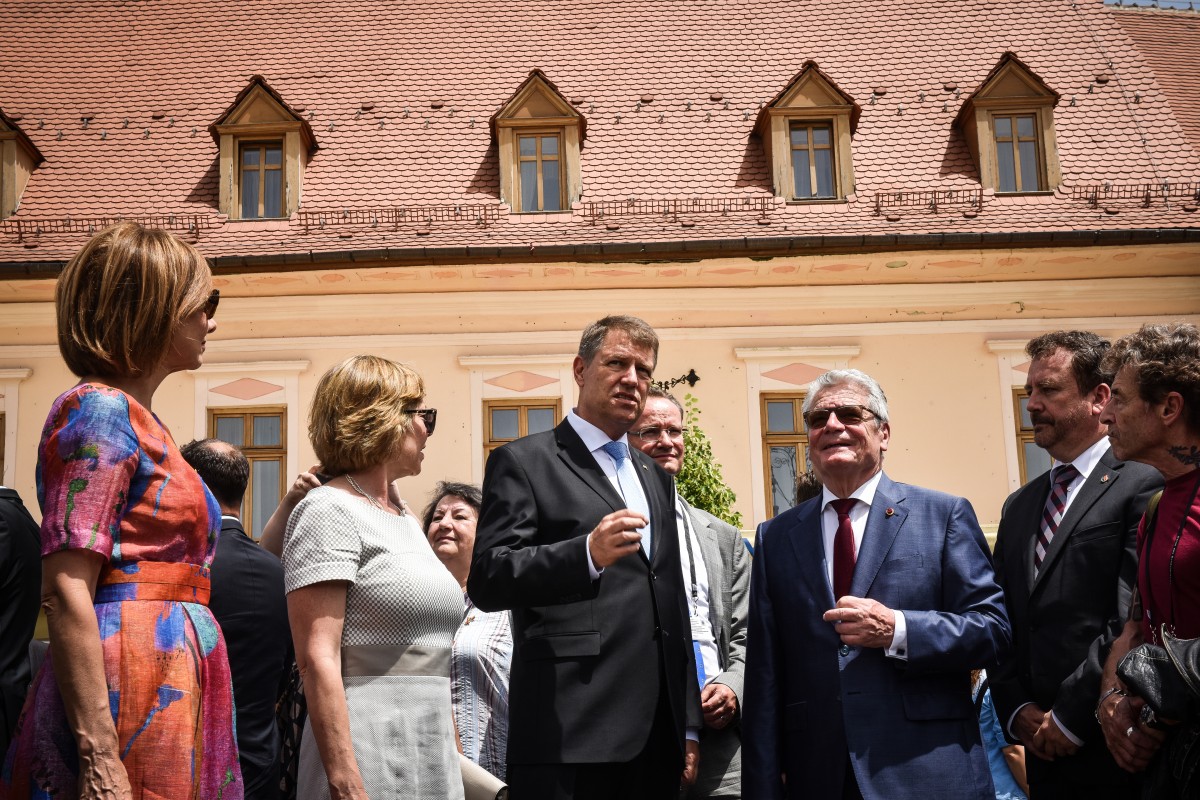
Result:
x=121 y=298
x=361 y=412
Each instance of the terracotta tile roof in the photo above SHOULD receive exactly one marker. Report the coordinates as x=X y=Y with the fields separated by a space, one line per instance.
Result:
x=152 y=76
x=1169 y=43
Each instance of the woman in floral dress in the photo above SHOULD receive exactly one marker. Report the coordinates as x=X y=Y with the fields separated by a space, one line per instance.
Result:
x=134 y=698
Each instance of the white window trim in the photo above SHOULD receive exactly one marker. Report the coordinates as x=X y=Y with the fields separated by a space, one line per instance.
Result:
x=482 y=367
x=286 y=372
x=764 y=359
x=1009 y=353
x=10 y=383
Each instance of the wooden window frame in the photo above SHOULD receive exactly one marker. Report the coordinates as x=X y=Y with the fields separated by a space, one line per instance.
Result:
x=1024 y=435
x=255 y=452
x=796 y=438
x=522 y=404
x=539 y=159
x=1039 y=148
x=810 y=125
x=262 y=169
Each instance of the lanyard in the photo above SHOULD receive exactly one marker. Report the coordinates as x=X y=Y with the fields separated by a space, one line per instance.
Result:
x=687 y=539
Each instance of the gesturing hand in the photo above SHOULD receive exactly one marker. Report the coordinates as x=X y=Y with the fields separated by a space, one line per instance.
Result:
x=862 y=622
x=616 y=537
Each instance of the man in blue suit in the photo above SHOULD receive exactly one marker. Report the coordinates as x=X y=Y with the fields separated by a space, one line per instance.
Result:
x=869 y=606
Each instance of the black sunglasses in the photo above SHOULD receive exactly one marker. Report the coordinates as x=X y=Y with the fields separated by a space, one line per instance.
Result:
x=210 y=305
x=427 y=414
x=847 y=415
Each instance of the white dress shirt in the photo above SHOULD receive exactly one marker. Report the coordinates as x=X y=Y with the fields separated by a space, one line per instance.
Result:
x=865 y=495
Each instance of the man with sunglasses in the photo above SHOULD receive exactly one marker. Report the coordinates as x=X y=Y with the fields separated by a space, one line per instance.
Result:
x=716 y=574
x=869 y=606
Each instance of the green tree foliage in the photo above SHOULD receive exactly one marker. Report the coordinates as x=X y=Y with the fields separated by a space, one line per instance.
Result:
x=700 y=481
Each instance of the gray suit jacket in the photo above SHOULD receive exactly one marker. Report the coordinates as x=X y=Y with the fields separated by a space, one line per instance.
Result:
x=728 y=565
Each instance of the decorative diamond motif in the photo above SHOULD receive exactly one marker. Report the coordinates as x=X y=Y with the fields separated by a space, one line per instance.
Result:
x=246 y=389
x=520 y=381
x=797 y=374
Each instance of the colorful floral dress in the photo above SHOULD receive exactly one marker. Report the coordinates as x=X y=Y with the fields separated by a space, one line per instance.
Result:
x=110 y=479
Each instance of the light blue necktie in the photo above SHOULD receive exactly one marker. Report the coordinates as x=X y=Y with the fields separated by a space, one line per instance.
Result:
x=631 y=487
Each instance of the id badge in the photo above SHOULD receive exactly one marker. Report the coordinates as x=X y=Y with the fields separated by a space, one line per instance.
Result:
x=700 y=676
x=699 y=628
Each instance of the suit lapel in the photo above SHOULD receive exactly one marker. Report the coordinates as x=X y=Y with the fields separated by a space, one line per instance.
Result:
x=659 y=514
x=884 y=521
x=1103 y=476
x=808 y=547
x=579 y=460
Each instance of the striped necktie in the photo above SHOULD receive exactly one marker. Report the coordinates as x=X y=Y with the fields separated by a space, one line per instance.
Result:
x=1052 y=514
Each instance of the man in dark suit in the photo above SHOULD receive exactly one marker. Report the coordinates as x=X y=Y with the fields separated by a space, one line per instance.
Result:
x=716 y=570
x=1066 y=558
x=869 y=606
x=249 y=604
x=577 y=537
x=20 y=593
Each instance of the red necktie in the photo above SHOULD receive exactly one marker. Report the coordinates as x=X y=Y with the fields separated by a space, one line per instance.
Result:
x=843 y=549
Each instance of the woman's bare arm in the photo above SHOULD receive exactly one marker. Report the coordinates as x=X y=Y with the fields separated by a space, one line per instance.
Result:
x=68 y=588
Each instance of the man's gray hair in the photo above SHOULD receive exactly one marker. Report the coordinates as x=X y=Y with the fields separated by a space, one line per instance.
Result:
x=876 y=400
x=638 y=331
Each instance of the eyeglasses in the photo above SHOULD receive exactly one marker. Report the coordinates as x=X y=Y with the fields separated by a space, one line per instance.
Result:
x=652 y=434
x=847 y=415
x=210 y=305
x=427 y=414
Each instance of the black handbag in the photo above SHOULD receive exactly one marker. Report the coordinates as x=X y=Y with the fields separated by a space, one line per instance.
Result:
x=1168 y=679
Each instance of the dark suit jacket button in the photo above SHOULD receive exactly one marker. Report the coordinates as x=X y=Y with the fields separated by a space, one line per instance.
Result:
x=653 y=577
x=845 y=650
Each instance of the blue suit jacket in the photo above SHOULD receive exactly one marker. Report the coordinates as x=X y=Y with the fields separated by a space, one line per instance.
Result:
x=907 y=727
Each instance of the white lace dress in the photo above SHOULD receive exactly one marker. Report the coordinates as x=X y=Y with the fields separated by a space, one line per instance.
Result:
x=401 y=600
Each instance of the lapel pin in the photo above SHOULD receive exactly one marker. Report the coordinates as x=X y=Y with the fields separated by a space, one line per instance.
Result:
x=1104 y=478
x=889 y=512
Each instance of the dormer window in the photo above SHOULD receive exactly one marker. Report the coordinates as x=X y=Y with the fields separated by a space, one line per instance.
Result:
x=538 y=136
x=1008 y=123
x=806 y=133
x=264 y=147
x=18 y=159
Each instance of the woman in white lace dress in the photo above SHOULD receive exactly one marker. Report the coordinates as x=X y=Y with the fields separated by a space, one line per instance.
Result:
x=373 y=612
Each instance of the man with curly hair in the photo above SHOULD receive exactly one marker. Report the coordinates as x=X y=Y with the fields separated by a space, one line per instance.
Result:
x=1154 y=418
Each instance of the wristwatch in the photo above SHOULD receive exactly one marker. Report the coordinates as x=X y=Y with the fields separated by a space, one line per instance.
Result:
x=1117 y=690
